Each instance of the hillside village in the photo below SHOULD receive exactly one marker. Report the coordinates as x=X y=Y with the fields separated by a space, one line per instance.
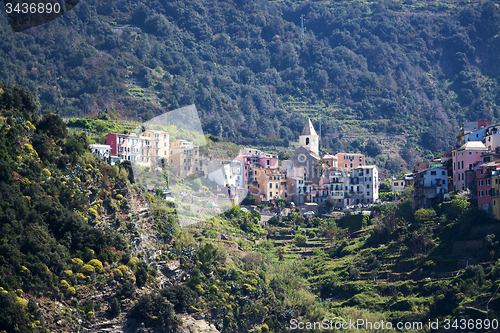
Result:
x=306 y=179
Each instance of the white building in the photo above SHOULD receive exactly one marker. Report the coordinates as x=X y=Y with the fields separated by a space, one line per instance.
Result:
x=101 y=151
x=361 y=185
x=226 y=172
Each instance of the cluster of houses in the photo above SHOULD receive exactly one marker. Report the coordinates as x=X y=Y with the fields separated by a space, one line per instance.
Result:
x=475 y=165
x=305 y=178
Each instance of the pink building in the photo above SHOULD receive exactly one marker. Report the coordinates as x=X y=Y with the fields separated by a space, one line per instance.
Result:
x=483 y=179
x=464 y=160
x=252 y=158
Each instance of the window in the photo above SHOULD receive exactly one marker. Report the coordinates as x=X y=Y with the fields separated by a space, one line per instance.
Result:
x=270 y=185
x=481 y=193
x=433 y=173
x=345 y=165
x=480 y=183
x=307 y=141
x=267 y=162
x=276 y=185
x=443 y=172
x=367 y=193
x=360 y=159
x=368 y=186
x=487 y=182
x=462 y=164
x=482 y=171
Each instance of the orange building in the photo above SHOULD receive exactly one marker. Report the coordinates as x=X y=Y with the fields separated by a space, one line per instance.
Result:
x=268 y=184
x=348 y=162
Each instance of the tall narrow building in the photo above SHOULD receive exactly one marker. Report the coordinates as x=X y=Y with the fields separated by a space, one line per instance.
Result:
x=309 y=139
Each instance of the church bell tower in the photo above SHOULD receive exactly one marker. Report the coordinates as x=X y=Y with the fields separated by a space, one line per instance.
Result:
x=309 y=139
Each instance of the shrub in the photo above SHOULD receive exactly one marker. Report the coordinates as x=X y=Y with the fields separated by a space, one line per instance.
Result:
x=199 y=289
x=193 y=309
x=181 y=296
x=141 y=274
x=64 y=285
x=71 y=291
x=88 y=269
x=133 y=262
x=77 y=261
x=97 y=264
x=248 y=288
x=155 y=310
x=93 y=212
x=119 y=197
x=117 y=273
x=114 y=306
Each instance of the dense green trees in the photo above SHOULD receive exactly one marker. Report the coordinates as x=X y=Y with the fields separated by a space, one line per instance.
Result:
x=245 y=64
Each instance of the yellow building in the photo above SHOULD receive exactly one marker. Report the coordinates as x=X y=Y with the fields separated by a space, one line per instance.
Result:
x=268 y=184
x=184 y=158
x=397 y=185
x=157 y=146
x=495 y=193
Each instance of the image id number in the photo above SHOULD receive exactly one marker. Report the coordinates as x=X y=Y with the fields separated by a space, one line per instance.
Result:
x=33 y=8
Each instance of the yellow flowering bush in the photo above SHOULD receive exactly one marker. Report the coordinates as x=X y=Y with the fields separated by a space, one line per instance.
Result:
x=117 y=273
x=87 y=269
x=71 y=291
x=93 y=212
x=46 y=172
x=97 y=264
x=64 y=285
x=133 y=262
x=77 y=261
x=124 y=269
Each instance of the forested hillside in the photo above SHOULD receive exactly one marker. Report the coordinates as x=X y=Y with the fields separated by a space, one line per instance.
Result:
x=83 y=248
x=413 y=70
